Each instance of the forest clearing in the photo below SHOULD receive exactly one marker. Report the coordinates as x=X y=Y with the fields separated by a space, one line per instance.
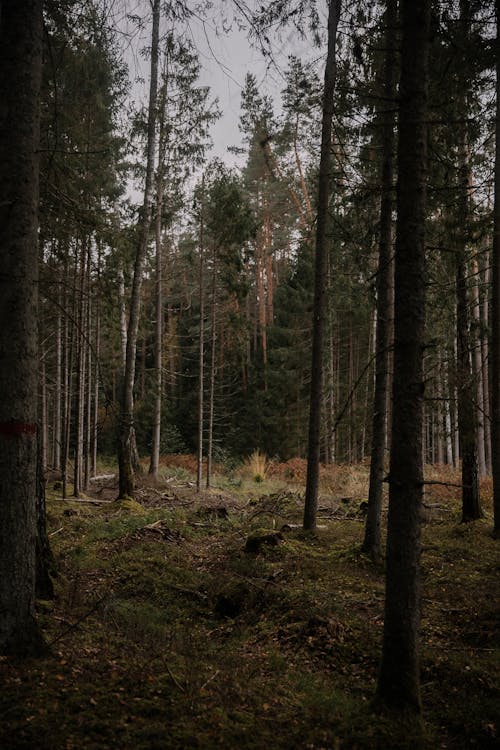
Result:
x=249 y=385
x=165 y=633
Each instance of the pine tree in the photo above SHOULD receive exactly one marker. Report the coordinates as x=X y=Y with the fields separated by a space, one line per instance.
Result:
x=20 y=82
x=399 y=681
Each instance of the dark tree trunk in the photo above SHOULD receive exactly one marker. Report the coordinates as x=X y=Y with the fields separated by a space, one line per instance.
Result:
x=211 y=396
x=399 y=681
x=324 y=182
x=466 y=387
x=201 y=346
x=495 y=308
x=20 y=76
x=126 y=434
x=471 y=506
x=372 y=540
x=44 y=559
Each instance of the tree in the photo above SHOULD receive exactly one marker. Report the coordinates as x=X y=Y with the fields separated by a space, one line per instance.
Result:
x=372 y=539
x=399 y=683
x=20 y=81
x=126 y=418
x=184 y=115
x=313 y=456
x=495 y=293
x=467 y=390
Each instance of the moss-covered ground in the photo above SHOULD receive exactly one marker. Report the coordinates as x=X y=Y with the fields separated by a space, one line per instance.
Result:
x=165 y=633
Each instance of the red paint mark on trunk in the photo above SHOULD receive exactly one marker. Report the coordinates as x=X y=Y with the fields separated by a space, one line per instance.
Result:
x=13 y=429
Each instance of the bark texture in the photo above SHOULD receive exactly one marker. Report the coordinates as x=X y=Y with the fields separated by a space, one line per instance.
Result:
x=20 y=75
x=126 y=434
x=372 y=539
x=495 y=312
x=399 y=683
x=324 y=179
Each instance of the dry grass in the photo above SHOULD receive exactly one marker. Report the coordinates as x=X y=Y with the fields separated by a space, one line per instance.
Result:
x=255 y=466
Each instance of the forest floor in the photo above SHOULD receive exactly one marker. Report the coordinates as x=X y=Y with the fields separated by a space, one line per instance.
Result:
x=165 y=632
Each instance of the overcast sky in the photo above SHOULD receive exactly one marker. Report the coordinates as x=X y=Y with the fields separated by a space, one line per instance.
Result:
x=225 y=59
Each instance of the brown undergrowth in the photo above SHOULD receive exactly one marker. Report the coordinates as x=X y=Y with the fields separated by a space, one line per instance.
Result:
x=166 y=633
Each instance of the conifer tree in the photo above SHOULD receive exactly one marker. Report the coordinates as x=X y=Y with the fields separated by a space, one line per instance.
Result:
x=20 y=82
x=313 y=455
x=399 y=680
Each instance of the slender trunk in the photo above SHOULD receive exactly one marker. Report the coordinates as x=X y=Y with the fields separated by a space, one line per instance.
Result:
x=57 y=436
x=447 y=419
x=123 y=315
x=478 y=369
x=43 y=434
x=201 y=348
x=314 y=435
x=88 y=415
x=399 y=679
x=95 y=421
x=69 y=357
x=467 y=422
x=385 y=272
x=80 y=376
x=126 y=434
x=484 y=363
x=212 y=375
x=45 y=563
x=495 y=305
x=155 y=447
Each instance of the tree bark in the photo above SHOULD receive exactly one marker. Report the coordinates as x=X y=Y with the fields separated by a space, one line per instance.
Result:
x=20 y=77
x=324 y=179
x=126 y=435
x=211 y=395
x=466 y=392
x=385 y=271
x=201 y=346
x=155 y=444
x=478 y=368
x=495 y=305
x=399 y=681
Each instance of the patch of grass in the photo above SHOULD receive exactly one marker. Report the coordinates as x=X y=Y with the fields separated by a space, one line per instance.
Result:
x=255 y=466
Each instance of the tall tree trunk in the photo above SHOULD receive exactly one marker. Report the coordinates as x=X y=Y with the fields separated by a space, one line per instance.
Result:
x=123 y=315
x=314 y=435
x=88 y=399
x=95 y=420
x=484 y=361
x=211 y=396
x=201 y=347
x=399 y=680
x=478 y=368
x=20 y=77
x=467 y=424
x=385 y=271
x=57 y=433
x=80 y=376
x=45 y=563
x=126 y=432
x=68 y=355
x=155 y=444
x=495 y=305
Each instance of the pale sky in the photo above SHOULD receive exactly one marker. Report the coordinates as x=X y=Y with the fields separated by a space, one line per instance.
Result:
x=225 y=59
